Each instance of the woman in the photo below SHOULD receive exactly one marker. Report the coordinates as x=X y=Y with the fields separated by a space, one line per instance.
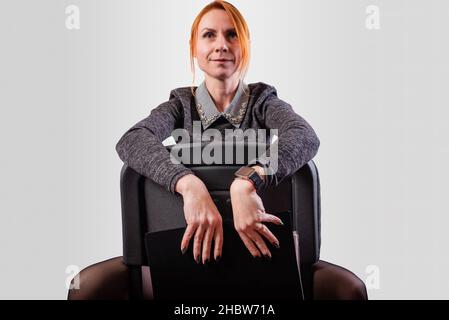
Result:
x=220 y=43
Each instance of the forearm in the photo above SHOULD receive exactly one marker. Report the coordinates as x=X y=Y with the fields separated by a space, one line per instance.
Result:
x=296 y=145
x=142 y=151
x=141 y=146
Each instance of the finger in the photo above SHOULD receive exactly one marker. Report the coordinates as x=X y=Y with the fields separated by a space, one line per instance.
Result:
x=218 y=242
x=266 y=217
x=188 y=234
x=263 y=230
x=207 y=242
x=199 y=234
x=260 y=243
x=249 y=245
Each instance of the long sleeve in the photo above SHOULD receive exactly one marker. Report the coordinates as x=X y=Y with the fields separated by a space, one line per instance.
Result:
x=141 y=146
x=297 y=142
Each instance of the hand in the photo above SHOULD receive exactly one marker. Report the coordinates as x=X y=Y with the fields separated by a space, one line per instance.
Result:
x=204 y=221
x=249 y=215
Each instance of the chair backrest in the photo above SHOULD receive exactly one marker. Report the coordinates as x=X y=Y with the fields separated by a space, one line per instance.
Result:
x=142 y=199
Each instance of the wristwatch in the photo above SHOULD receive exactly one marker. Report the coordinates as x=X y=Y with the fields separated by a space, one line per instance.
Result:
x=250 y=174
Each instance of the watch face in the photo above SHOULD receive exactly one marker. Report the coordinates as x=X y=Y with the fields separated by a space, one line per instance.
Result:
x=245 y=171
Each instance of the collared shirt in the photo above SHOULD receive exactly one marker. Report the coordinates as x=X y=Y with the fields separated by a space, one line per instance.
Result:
x=233 y=113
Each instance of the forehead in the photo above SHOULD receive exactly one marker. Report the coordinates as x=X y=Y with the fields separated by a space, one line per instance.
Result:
x=216 y=19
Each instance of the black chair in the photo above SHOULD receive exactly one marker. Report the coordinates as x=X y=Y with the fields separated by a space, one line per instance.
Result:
x=142 y=198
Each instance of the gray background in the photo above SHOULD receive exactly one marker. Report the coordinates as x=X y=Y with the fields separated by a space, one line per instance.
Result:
x=376 y=98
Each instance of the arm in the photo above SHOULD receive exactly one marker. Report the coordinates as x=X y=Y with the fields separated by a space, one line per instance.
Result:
x=297 y=141
x=297 y=144
x=141 y=146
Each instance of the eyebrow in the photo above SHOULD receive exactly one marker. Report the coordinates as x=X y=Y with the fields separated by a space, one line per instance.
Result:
x=210 y=29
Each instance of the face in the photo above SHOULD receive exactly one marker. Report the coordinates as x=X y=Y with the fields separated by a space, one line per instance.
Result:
x=217 y=48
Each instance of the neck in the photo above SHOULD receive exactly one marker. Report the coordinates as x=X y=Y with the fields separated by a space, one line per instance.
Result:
x=222 y=91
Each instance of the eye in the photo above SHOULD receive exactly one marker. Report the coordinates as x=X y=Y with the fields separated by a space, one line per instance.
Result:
x=207 y=34
x=233 y=34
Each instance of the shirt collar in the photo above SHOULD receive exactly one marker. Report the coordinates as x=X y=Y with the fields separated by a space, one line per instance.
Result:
x=234 y=112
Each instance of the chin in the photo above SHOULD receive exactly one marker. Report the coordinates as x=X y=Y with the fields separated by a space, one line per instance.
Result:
x=221 y=75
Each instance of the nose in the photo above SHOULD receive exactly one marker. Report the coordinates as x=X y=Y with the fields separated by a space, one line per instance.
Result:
x=221 y=44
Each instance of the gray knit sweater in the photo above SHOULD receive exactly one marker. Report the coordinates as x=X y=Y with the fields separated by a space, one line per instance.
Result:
x=141 y=146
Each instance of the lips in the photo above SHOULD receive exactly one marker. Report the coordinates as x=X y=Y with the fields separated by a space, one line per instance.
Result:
x=221 y=60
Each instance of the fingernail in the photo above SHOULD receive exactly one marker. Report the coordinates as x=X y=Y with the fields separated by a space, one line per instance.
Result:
x=183 y=250
x=268 y=257
x=197 y=259
x=217 y=258
x=276 y=244
x=281 y=223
